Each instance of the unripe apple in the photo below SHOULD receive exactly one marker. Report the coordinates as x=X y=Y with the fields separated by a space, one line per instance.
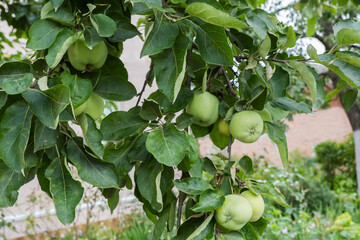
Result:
x=95 y=106
x=235 y=212
x=204 y=107
x=81 y=57
x=246 y=126
x=224 y=127
x=257 y=204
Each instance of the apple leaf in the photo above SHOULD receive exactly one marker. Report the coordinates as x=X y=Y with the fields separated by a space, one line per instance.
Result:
x=13 y=71
x=267 y=189
x=44 y=137
x=47 y=105
x=3 y=99
x=103 y=24
x=289 y=104
x=278 y=137
x=91 y=37
x=170 y=66
x=119 y=125
x=214 y=16
x=10 y=182
x=212 y=43
x=147 y=178
x=58 y=49
x=167 y=144
x=56 y=3
x=17 y=85
x=61 y=15
x=197 y=228
x=124 y=29
x=65 y=191
x=192 y=185
x=14 y=135
x=307 y=76
x=259 y=21
x=42 y=34
x=150 y=110
x=92 y=135
x=250 y=232
x=349 y=98
x=209 y=201
x=161 y=36
x=80 y=88
x=92 y=170
x=246 y=163
x=199 y=231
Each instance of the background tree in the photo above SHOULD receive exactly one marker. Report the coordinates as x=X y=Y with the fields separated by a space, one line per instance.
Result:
x=229 y=55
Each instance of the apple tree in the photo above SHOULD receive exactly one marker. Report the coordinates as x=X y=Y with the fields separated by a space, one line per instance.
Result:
x=221 y=69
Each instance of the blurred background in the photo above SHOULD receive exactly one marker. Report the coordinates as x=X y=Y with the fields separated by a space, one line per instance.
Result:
x=320 y=184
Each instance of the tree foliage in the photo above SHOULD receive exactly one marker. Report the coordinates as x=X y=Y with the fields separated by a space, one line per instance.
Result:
x=232 y=49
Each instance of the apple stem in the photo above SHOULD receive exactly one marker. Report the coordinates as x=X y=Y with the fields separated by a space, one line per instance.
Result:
x=148 y=77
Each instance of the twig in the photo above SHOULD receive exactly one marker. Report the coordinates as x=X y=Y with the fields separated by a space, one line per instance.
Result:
x=181 y=200
x=228 y=82
x=239 y=58
x=148 y=76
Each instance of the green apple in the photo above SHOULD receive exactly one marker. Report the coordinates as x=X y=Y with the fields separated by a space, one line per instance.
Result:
x=224 y=127
x=246 y=126
x=95 y=106
x=81 y=57
x=235 y=212
x=204 y=107
x=266 y=116
x=257 y=204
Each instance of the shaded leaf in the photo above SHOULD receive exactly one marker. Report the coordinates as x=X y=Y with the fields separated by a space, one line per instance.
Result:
x=42 y=34
x=209 y=201
x=192 y=185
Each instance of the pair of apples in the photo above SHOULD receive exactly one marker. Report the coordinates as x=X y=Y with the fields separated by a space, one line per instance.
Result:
x=83 y=58
x=245 y=126
x=237 y=210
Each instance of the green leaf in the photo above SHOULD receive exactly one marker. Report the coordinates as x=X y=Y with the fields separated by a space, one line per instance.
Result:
x=147 y=178
x=190 y=227
x=279 y=82
x=307 y=76
x=250 y=232
x=58 y=49
x=103 y=24
x=91 y=37
x=92 y=170
x=246 y=163
x=92 y=135
x=167 y=144
x=17 y=85
x=48 y=105
x=14 y=71
x=278 y=137
x=170 y=67
x=267 y=189
x=162 y=35
x=346 y=24
x=56 y=3
x=258 y=19
x=65 y=191
x=209 y=201
x=80 y=88
x=347 y=72
x=260 y=225
x=265 y=47
x=347 y=36
x=42 y=34
x=155 y=4
x=198 y=233
x=310 y=26
x=214 y=16
x=3 y=99
x=349 y=99
x=349 y=57
x=150 y=110
x=192 y=185
x=120 y=124
x=61 y=15
x=212 y=43
x=124 y=29
x=184 y=120
x=10 y=182
x=290 y=38
x=112 y=83
x=44 y=137
x=289 y=104
x=14 y=135
x=161 y=223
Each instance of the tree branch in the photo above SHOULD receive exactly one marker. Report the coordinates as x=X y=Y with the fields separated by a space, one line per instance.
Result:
x=181 y=199
x=229 y=147
x=229 y=83
x=148 y=77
